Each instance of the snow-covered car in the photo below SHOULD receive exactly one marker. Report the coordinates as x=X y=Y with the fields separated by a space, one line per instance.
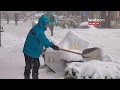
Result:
x=84 y=25
x=36 y=18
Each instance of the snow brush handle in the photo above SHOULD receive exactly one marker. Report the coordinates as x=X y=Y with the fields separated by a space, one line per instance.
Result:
x=70 y=51
x=74 y=52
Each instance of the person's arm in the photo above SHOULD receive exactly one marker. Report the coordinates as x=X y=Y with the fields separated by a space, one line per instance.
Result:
x=47 y=43
x=45 y=40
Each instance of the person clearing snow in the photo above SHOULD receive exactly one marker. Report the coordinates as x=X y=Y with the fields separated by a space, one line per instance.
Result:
x=33 y=47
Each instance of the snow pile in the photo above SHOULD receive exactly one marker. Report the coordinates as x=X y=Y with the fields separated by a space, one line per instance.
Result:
x=92 y=70
x=53 y=40
x=107 y=58
x=85 y=24
x=71 y=56
x=73 y=41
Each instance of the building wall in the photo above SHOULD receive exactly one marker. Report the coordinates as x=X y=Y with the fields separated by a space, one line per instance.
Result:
x=116 y=20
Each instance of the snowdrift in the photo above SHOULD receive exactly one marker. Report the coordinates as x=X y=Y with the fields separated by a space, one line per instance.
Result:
x=92 y=70
x=53 y=40
x=56 y=59
x=74 y=41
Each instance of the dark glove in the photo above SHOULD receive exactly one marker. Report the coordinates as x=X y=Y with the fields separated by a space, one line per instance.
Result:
x=55 y=47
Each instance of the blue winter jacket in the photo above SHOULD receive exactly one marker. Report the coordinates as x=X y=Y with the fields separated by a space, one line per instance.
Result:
x=36 y=39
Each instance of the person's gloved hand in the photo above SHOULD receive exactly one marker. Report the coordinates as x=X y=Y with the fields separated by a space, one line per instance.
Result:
x=55 y=47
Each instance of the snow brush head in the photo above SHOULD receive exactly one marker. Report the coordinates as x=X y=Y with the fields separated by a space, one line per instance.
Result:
x=93 y=54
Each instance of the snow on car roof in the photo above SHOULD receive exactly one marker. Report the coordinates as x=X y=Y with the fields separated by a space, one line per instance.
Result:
x=86 y=24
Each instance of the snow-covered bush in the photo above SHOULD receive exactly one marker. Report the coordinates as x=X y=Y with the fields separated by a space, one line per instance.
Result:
x=93 y=69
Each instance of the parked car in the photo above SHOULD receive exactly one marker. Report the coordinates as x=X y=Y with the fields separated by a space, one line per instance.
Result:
x=84 y=25
x=36 y=18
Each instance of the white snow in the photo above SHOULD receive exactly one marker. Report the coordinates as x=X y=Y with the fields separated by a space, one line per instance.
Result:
x=12 y=59
x=73 y=40
x=86 y=24
x=67 y=56
x=53 y=40
x=39 y=14
x=93 y=69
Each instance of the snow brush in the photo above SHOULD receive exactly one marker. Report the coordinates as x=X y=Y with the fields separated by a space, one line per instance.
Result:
x=89 y=53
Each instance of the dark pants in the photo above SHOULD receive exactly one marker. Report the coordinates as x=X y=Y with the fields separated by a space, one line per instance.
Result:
x=31 y=63
x=16 y=22
x=51 y=29
x=7 y=21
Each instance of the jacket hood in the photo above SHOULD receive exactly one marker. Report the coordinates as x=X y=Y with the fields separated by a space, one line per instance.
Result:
x=42 y=21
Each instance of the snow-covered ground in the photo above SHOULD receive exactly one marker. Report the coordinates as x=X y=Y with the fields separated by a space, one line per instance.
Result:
x=12 y=59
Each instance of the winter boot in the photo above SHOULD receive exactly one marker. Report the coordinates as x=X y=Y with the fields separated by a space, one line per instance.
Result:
x=27 y=72
x=52 y=34
x=35 y=76
x=26 y=76
x=36 y=66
